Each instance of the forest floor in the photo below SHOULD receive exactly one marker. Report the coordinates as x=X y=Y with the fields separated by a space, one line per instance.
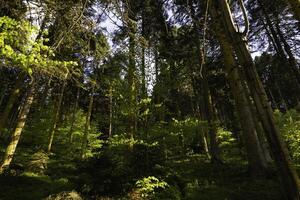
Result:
x=199 y=180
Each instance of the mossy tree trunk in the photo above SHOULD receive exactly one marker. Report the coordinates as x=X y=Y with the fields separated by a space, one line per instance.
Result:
x=11 y=101
x=132 y=82
x=15 y=137
x=73 y=119
x=87 y=126
x=256 y=159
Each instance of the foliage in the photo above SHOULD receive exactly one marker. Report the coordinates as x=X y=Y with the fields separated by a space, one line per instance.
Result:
x=20 y=48
x=147 y=186
x=289 y=124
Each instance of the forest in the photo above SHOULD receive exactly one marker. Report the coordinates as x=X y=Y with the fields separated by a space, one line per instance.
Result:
x=149 y=99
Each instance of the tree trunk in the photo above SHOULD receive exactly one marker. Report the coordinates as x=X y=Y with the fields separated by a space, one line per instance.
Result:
x=197 y=114
x=45 y=94
x=110 y=111
x=210 y=117
x=56 y=116
x=132 y=82
x=87 y=126
x=288 y=174
x=74 y=117
x=256 y=159
x=11 y=101
x=11 y=148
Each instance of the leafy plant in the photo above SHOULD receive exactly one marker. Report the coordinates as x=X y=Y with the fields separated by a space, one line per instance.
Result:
x=149 y=185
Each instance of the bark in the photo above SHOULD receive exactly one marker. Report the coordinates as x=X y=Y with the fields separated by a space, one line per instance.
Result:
x=110 y=111
x=198 y=115
x=287 y=173
x=87 y=126
x=73 y=120
x=258 y=126
x=143 y=65
x=131 y=22
x=56 y=116
x=11 y=148
x=256 y=160
x=210 y=117
x=11 y=101
x=207 y=101
x=132 y=89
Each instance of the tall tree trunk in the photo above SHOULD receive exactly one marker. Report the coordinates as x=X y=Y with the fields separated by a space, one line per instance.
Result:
x=143 y=46
x=210 y=117
x=87 y=126
x=256 y=159
x=258 y=125
x=197 y=113
x=11 y=101
x=287 y=173
x=110 y=111
x=132 y=82
x=15 y=137
x=73 y=120
x=56 y=115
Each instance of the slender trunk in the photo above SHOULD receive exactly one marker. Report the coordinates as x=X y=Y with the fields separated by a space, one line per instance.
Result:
x=287 y=172
x=74 y=117
x=212 y=129
x=15 y=137
x=273 y=101
x=198 y=115
x=56 y=116
x=45 y=94
x=207 y=100
x=143 y=64
x=11 y=101
x=132 y=81
x=202 y=134
x=110 y=111
x=87 y=126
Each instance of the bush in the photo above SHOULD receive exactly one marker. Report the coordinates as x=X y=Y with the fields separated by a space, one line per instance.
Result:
x=289 y=124
x=123 y=161
x=147 y=187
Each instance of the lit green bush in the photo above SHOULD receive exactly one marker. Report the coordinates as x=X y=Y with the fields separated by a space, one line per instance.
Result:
x=149 y=185
x=289 y=124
